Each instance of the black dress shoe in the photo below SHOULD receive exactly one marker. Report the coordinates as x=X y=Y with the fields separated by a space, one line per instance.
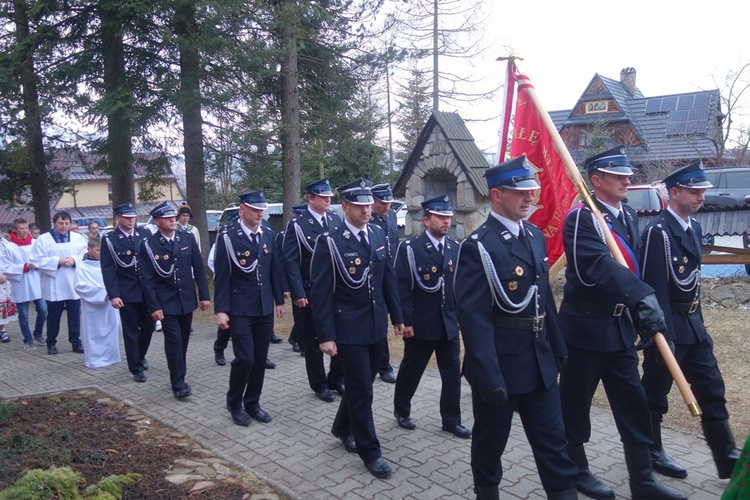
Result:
x=457 y=430
x=405 y=422
x=379 y=468
x=240 y=417
x=270 y=365
x=78 y=349
x=140 y=377
x=183 y=393
x=663 y=464
x=144 y=363
x=260 y=415
x=338 y=388
x=388 y=377
x=52 y=349
x=275 y=339
x=219 y=357
x=295 y=347
x=325 y=395
x=348 y=441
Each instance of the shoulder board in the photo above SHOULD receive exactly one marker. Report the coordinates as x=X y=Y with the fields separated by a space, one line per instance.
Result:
x=375 y=227
x=480 y=232
x=407 y=242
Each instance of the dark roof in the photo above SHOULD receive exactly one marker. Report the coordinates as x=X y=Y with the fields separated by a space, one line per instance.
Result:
x=78 y=166
x=673 y=128
x=717 y=221
x=471 y=159
x=9 y=214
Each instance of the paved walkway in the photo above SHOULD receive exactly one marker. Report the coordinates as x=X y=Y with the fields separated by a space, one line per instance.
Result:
x=296 y=452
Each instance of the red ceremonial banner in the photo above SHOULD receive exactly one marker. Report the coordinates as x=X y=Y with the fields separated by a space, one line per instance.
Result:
x=553 y=200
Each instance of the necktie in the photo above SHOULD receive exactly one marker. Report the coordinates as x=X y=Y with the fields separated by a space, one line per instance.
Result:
x=254 y=239
x=363 y=240
x=440 y=248
x=130 y=238
x=621 y=218
x=324 y=223
x=522 y=238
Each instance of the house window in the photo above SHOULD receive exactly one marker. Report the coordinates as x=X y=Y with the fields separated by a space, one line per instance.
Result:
x=583 y=139
x=109 y=191
x=596 y=107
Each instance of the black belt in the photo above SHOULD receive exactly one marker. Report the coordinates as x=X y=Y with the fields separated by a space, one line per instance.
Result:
x=688 y=307
x=607 y=309
x=536 y=325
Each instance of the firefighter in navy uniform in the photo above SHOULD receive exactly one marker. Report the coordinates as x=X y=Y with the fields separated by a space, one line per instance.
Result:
x=248 y=290
x=599 y=332
x=424 y=269
x=121 y=273
x=355 y=288
x=671 y=256
x=171 y=265
x=513 y=345
x=299 y=242
x=385 y=218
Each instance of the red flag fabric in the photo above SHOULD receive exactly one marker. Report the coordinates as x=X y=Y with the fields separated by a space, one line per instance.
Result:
x=553 y=200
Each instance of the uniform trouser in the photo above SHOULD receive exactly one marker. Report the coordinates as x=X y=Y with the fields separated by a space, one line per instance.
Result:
x=542 y=422
x=618 y=371
x=314 y=362
x=251 y=336
x=354 y=417
x=417 y=353
x=701 y=370
x=176 y=330
x=222 y=339
x=54 y=315
x=385 y=363
x=137 y=329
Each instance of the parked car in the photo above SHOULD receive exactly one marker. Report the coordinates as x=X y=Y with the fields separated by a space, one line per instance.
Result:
x=731 y=185
x=212 y=223
x=647 y=196
x=273 y=214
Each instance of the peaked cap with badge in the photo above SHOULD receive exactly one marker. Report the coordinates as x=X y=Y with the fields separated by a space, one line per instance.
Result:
x=613 y=161
x=382 y=192
x=254 y=199
x=125 y=210
x=690 y=176
x=358 y=192
x=163 y=209
x=440 y=205
x=516 y=174
x=321 y=187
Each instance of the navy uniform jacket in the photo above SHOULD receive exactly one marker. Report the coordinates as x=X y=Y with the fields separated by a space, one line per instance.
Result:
x=299 y=242
x=420 y=306
x=247 y=280
x=348 y=308
x=664 y=267
x=389 y=224
x=496 y=356
x=120 y=266
x=171 y=287
x=594 y=276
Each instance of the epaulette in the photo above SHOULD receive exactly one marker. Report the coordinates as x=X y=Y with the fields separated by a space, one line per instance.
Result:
x=480 y=232
x=407 y=242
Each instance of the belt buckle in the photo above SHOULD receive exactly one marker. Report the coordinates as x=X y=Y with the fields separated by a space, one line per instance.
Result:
x=619 y=309
x=537 y=324
x=694 y=306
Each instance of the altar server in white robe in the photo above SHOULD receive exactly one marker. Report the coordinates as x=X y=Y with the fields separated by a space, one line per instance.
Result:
x=100 y=322
x=56 y=255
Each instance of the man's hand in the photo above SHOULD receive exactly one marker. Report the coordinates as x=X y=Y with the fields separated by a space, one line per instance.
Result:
x=67 y=261
x=280 y=311
x=222 y=320
x=408 y=332
x=329 y=348
x=648 y=319
x=157 y=315
x=117 y=302
x=204 y=304
x=398 y=329
x=30 y=266
x=287 y=295
x=497 y=396
x=3 y=279
x=300 y=302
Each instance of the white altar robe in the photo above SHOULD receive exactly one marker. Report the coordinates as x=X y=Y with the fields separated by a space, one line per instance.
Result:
x=100 y=322
x=58 y=283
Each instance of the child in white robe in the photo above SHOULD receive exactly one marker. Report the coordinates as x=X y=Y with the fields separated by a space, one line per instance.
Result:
x=100 y=322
